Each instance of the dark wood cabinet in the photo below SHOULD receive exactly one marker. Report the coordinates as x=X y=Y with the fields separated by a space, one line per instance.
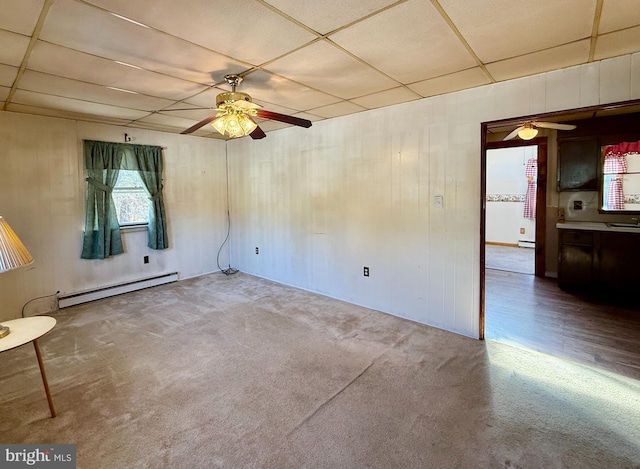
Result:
x=576 y=263
x=599 y=261
x=619 y=261
x=578 y=164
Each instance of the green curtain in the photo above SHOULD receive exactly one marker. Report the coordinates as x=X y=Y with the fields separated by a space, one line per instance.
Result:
x=103 y=161
x=149 y=166
x=101 y=228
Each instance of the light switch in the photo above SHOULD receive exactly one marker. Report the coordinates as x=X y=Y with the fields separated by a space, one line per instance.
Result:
x=437 y=201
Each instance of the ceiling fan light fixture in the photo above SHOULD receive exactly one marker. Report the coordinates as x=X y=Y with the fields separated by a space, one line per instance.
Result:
x=234 y=124
x=527 y=133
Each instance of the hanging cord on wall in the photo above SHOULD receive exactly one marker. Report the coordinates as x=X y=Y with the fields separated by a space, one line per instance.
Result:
x=229 y=270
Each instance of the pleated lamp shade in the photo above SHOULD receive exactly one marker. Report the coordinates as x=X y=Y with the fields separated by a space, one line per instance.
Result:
x=13 y=254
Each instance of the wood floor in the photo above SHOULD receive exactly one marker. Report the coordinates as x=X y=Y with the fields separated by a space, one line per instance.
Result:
x=534 y=313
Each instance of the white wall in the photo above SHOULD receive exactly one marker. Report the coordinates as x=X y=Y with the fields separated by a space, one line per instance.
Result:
x=356 y=191
x=506 y=179
x=42 y=192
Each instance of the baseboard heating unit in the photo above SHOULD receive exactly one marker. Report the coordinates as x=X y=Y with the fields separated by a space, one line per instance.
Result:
x=105 y=292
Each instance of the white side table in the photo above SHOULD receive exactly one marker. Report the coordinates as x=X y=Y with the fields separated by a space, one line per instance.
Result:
x=25 y=330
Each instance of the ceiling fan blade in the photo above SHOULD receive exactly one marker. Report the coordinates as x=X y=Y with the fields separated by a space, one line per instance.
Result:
x=553 y=125
x=199 y=124
x=513 y=134
x=274 y=116
x=257 y=134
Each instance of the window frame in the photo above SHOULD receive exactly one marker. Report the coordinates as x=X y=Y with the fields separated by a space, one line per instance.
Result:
x=141 y=189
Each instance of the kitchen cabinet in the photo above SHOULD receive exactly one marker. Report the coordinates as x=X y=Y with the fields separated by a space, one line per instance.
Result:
x=599 y=261
x=576 y=263
x=578 y=164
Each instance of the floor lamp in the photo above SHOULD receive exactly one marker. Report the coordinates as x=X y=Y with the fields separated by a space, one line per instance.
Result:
x=13 y=254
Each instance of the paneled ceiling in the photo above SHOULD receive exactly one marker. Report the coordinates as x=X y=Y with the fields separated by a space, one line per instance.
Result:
x=129 y=62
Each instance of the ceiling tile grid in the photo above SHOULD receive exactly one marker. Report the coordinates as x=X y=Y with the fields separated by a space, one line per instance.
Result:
x=139 y=63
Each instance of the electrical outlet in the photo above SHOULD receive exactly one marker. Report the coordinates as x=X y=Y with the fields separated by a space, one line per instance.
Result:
x=146 y=259
x=366 y=271
x=521 y=230
x=257 y=250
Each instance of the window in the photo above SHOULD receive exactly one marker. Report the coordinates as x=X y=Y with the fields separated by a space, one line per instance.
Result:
x=139 y=196
x=131 y=199
x=621 y=177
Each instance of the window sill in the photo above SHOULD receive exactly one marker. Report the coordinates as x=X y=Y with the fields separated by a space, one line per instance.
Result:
x=134 y=228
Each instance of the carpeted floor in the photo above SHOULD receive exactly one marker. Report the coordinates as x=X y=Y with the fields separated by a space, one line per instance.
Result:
x=240 y=372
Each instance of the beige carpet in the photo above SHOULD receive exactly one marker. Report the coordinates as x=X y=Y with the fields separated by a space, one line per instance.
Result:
x=239 y=372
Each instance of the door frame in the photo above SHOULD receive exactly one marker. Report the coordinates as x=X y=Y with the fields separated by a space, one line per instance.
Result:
x=541 y=207
x=619 y=107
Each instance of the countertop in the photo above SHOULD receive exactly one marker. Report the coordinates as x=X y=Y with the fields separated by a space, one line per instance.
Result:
x=594 y=226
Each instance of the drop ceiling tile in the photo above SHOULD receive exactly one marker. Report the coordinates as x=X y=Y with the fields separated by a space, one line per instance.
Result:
x=166 y=120
x=328 y=15
x=327 y=68
x=498 y=29
x=618 y=43
x=7 y=75
x=195 y=115
x=386 y=98
x=87 y=29
x=543 y=61
x=265 y=88
x=338 y=109
x=49 y=84
x=57 y=60
x=4 y=93
x=20 y=16
x=454 y=82
x=152 y=126
x=309 y=116
x=270 y=126
x=50 y=112
x=619 y=14
x=29 y=98
x=13 y=48
x=243 y=29
x=269 y=88
x=424 y=47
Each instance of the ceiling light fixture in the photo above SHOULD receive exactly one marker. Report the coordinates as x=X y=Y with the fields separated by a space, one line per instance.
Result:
x=235 y=111
x=235 y=122
x=528 y=132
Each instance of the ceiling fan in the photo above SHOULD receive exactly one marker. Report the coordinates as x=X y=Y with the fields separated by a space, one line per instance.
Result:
x=529 y=130
x=236 y=111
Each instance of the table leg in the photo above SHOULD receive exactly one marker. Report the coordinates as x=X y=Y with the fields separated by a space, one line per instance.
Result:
x=44 y=379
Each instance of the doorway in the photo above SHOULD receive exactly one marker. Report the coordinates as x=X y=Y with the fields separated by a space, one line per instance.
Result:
x=540 y=143
x=510 y=226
